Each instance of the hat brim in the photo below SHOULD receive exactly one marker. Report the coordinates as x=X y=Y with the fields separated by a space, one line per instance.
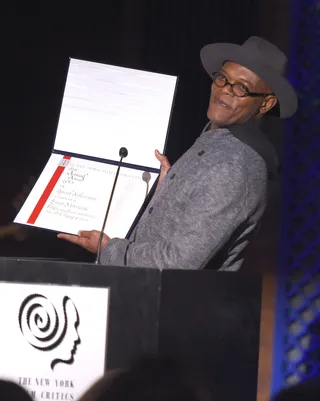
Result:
x=213 y=55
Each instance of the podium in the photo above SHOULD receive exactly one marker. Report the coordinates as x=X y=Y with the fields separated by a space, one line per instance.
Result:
x=209 y=319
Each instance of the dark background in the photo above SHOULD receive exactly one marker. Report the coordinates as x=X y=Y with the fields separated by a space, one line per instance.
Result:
x=157 y=35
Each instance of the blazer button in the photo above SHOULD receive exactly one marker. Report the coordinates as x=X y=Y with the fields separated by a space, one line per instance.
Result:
x=150 y=210
x=172 y=176
x=201 y=153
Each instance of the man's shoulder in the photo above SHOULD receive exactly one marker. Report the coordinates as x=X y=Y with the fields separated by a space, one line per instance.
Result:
x=235 y=165
x=232 y=151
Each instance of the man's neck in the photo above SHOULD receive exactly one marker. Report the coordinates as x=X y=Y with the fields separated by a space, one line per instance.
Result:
x=213 y=126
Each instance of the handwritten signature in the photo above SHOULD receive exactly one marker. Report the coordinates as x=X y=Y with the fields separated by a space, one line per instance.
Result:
x=73 y=175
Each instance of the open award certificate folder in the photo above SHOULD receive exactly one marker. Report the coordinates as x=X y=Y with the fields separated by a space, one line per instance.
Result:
x=104 y=108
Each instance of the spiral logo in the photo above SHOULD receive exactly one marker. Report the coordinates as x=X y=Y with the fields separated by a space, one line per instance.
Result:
x=40 y=323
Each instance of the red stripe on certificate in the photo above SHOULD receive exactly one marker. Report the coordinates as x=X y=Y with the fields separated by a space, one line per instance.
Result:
x=49 y=188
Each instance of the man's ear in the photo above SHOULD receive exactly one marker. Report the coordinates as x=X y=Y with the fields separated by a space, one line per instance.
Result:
x=268 y=102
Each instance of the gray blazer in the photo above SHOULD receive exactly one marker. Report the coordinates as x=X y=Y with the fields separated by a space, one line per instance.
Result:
x=216 y=189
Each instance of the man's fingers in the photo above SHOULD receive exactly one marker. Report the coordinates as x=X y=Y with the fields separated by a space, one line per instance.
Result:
x=84 y=234
x=159 y=155
x=93 y=234
x=75 y=239
x=163 y=160
x=68 y=237
x=165 y=163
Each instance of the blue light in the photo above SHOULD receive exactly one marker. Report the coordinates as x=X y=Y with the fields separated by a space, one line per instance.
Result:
x=297 y=326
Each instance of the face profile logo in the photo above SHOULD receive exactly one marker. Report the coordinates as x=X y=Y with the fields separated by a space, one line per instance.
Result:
x=49 y=331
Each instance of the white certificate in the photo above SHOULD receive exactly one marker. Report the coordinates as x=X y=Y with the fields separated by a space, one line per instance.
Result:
x=104 y=108
x=72 y=194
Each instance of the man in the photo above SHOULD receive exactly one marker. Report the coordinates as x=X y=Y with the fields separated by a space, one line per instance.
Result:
x=211 y=200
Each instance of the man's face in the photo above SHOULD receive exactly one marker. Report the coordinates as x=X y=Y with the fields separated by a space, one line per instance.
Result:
x=225 y=108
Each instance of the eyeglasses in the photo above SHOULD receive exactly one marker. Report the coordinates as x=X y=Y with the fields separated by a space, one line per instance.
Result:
x=239 y=89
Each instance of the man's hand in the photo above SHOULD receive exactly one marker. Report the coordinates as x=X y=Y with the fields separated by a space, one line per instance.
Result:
x=87 y=239
x=165 y=165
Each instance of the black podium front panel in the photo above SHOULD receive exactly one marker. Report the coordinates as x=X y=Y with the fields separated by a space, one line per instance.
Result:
x=210 y=319
x=133 y=307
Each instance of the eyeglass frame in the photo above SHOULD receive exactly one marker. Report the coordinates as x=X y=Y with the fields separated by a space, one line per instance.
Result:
x=248 y=93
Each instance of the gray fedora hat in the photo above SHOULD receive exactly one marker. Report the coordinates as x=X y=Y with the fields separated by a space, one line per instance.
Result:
x=261 y=57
